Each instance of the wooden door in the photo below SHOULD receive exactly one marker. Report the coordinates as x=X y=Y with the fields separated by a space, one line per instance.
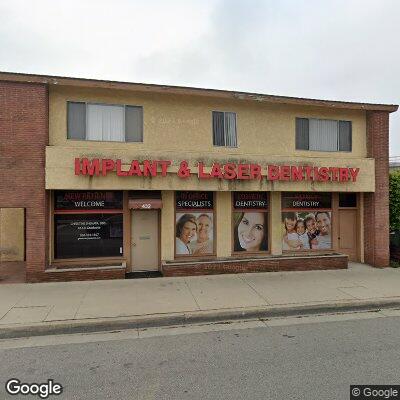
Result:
x=348 y=233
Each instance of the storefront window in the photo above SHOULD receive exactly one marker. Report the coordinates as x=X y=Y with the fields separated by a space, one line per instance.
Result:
x=194 y=231
x=88 y=224
x=306 y=221
x=250 y=221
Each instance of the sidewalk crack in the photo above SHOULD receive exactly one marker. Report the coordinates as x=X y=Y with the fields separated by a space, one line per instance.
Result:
x=194 y=298
x=254 y=290
x=80 y=303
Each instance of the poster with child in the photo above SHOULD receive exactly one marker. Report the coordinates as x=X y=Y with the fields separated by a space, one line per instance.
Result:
x=306 y=221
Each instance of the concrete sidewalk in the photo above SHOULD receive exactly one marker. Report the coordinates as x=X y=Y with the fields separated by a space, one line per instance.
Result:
x=26 y=306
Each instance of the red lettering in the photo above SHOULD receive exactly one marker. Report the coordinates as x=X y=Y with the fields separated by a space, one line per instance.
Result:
x=120 y=172
x=164 y=166
x=334 y=173
x=343 y=174
x=107 y=165
x=273 y=172
x=323 y=174
x=229 y=171
x=90 y=167
x=201 y=173
x=284 y=174
x=255 y=171
x=315 y=174
x=243 y=171
x=216 y=171
x=297 y=173
x=149 y=168
x=135 y=168
x=354 y=172
x=308 y=170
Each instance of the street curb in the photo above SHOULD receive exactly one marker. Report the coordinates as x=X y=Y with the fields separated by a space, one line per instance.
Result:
x=185 y=318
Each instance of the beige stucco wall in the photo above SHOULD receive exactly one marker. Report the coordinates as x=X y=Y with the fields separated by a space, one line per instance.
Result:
x=183 y=124
x=12 y=234
x=179 y=128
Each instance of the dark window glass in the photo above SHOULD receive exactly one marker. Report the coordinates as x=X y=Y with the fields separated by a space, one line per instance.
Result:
x=133 y=124
x=347 y=199
x=88 y=235
x=218 y=128
x=76 y=126
x=224 y=129
x=345 y=139
x=302 y=135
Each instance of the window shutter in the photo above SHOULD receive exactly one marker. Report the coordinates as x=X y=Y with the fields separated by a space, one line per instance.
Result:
x=345 y=136
x=302 y=134
x=218 y=128
x=76 y=120
x=133 y=124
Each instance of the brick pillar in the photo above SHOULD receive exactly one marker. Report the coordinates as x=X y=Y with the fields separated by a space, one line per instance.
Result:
x=23 y=139
x=376 y=205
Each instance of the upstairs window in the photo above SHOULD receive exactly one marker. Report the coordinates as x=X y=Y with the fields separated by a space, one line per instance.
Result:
x=224 y=129
x=323 y=135
x=103 y=122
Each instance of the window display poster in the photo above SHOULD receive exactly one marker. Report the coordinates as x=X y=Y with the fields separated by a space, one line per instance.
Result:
x=194 y=233
x=250 y=231
x=306 y=230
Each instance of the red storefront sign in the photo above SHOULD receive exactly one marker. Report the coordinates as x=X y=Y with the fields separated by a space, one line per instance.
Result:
x=228 y=171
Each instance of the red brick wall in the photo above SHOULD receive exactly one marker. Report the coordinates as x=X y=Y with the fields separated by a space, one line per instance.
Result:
x=257 y=265
x=23 y=139
x=86 y=275
x=376 y=205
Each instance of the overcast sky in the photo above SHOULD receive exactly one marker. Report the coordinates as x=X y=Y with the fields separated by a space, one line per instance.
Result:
x=339 y=50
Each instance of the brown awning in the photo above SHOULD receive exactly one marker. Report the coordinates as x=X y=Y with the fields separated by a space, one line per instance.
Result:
x=145 y=204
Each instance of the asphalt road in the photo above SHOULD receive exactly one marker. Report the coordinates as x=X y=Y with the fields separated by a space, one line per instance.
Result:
x=292 y=360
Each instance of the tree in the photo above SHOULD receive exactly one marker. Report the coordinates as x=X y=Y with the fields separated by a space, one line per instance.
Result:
x=394 y=200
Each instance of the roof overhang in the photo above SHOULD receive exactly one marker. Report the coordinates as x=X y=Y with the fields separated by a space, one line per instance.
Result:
x=181 y=90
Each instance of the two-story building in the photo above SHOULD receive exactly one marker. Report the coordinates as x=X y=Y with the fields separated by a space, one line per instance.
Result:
x=105 y=178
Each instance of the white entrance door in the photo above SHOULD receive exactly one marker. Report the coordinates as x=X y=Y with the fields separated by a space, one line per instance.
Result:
x=144 y=240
